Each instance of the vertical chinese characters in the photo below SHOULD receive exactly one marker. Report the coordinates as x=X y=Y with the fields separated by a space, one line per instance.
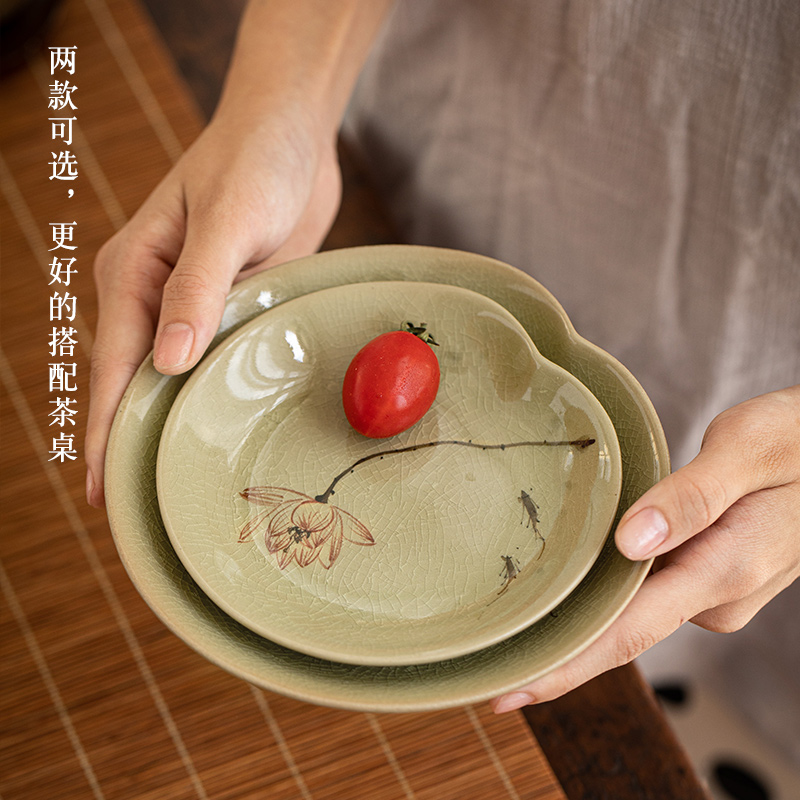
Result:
x=62 y=379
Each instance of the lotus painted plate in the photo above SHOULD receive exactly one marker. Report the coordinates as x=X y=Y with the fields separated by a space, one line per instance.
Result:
x=442 y=540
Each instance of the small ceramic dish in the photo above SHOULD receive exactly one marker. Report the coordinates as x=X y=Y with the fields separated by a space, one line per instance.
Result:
x=158 y=574
x=439 y=541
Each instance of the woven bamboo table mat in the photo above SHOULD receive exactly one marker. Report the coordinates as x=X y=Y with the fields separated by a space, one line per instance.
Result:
x=98 y=698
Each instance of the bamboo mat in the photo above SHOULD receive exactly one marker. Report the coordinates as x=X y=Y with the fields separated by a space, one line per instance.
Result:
x=99 y=699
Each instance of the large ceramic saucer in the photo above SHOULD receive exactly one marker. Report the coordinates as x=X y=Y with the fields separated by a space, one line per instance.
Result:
x=446 y=538
x=160 y=577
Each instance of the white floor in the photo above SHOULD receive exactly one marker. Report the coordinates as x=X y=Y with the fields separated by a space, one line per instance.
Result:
x=714 y=734
x=741 y=707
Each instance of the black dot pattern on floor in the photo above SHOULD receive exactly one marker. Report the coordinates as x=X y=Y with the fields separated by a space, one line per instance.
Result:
x=673 y=694
x=739 y=782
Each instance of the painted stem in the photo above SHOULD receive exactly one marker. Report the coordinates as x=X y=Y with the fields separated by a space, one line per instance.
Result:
x=325 y=496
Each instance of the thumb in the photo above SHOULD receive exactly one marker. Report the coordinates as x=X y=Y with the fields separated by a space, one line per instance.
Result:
x=693 y=498
x=194 y=298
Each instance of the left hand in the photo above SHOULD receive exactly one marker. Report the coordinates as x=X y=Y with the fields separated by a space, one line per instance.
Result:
x=725 y=530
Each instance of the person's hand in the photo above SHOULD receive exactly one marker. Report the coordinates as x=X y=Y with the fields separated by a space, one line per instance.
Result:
x=726 y=533
x=241 y=199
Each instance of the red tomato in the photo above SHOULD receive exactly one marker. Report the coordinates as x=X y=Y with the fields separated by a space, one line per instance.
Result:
x=390 y=384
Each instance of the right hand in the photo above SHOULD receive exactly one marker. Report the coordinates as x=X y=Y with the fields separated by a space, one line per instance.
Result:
x=241 y=199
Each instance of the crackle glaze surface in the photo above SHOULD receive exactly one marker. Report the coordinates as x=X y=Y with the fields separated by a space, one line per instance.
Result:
x=165 y=584
x=419 y=554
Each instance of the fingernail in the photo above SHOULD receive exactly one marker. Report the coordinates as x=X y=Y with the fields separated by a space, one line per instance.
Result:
x=174 y=346
x=642 y=533
x=513 y=701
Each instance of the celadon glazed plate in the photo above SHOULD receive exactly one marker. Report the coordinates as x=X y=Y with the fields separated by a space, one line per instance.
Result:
x=433 y=543
x=165 y=584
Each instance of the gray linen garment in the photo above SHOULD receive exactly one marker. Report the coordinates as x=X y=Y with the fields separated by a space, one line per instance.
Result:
x=640 y=158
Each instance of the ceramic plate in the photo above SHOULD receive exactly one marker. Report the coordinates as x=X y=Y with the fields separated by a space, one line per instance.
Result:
x=160 y=577
x=446 y=538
